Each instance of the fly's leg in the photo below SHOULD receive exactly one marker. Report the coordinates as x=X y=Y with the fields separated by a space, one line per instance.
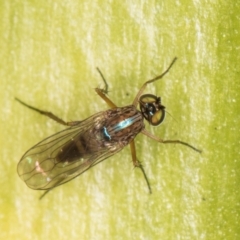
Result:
x=135 y=102
x=104 y=80
x=49 y=114
x=102 y=93
x=145 y=132
x=138 y=164
x=47 y=191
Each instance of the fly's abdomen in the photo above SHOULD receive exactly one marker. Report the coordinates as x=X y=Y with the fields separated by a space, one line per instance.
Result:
x=114 y=129
x=84 y=146
x=75 y=149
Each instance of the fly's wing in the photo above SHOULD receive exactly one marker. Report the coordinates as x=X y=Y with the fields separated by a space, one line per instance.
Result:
x=66 y=154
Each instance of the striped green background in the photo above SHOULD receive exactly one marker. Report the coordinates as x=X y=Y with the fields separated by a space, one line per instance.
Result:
x=49 y=54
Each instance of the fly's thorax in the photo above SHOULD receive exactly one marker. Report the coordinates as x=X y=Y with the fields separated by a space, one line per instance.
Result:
x=122 y=124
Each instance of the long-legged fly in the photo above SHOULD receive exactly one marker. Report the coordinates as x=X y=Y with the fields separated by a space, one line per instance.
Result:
x=70 y=152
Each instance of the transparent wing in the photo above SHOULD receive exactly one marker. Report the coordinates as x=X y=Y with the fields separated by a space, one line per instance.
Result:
x=66 y=154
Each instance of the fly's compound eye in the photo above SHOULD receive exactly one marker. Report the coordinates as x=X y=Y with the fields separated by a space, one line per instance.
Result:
x=152 y=109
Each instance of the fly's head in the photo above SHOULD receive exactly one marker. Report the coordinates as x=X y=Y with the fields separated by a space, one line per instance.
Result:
x=152 y=109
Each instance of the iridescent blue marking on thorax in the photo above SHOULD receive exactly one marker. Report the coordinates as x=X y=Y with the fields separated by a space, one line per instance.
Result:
x=124 y=124
x=106 y=134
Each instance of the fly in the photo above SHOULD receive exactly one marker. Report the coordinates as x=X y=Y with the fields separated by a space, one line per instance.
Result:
x=65 y=155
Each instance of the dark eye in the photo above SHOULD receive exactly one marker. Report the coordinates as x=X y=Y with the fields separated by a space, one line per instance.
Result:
x=152 y=109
